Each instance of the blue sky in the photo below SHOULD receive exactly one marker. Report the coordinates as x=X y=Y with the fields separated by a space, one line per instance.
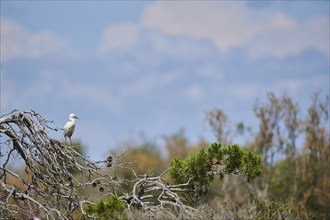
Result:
x=155 y=67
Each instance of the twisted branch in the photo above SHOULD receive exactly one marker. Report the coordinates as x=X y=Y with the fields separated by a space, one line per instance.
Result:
x=57 y=177
x=55 y=174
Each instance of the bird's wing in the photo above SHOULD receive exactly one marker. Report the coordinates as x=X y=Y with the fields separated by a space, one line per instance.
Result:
x=72 y=128
x=66 y=126
x=68 y=129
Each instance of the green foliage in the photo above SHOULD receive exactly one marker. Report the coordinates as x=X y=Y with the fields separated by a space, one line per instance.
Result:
x=112 y=208
x=200 y=168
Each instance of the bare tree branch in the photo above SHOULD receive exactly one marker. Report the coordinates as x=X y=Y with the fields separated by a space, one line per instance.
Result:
x=48 y=186
x=56 y=176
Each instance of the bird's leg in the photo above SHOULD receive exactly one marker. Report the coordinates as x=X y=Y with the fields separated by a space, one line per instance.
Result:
x=65 y=139
x=70 y=141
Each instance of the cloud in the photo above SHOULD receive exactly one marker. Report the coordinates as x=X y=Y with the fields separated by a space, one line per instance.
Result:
x=227 y=25
x=119 y=36
x=219 y=23
x=233 y=24
x=313 y=34
x=17 y=42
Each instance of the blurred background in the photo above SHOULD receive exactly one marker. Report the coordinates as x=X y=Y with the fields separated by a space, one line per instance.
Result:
x=148 y=69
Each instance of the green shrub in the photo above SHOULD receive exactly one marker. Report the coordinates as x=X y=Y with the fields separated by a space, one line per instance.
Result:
x=112 y=208
x=200 y=168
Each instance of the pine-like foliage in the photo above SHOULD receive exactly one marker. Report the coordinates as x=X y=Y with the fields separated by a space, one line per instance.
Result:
x=201 y=167
x=112 y=208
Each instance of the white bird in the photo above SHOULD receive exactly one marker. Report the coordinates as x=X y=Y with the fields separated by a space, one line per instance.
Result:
x=69 y=127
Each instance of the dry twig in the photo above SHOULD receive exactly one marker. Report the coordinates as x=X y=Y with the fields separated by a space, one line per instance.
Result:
x=56 y=176
x=48 y=187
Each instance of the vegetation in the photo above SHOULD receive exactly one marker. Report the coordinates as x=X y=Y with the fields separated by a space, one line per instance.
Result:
x=112 y=208
x=282 y=172
x=200 y=168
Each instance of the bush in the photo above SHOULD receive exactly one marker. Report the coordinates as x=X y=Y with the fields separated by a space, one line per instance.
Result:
x=200 y=168
x=112 y=208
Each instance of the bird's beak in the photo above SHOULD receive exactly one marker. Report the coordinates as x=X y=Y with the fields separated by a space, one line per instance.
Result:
x=76 y=117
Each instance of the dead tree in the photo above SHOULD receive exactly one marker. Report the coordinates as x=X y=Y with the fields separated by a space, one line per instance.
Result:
x=47 y=188
x=156 y=194
x=56 y=175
